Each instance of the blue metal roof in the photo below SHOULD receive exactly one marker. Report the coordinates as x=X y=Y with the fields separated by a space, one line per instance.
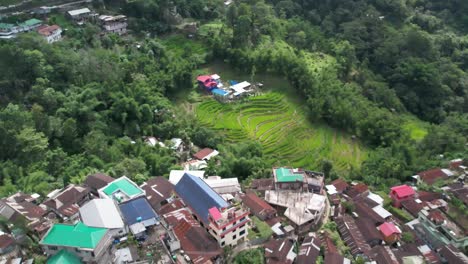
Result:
x=137 y=210
x=199 y=196
x=219 y=92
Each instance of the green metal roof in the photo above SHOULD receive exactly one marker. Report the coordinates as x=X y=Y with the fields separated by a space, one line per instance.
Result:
x=124 y=185
x=31 y=22
x=287 y=175
x=64 y=257
x=79 y=235
x=6 y=25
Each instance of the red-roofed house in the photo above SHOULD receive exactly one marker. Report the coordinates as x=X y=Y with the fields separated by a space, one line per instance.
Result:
x=340 y=185
x=194 y=239
x=431 y=176
x=205 y=154
x=258 y=206
x=401 y=193
x=207 y=82
x=359 y=189
x=390 y=232
x=50 y=33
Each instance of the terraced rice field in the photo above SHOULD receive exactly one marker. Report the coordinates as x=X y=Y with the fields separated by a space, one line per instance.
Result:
x=280 y=125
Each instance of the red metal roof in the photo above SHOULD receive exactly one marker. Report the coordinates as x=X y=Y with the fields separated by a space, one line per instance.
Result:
x=389 y=229
x=48 y=30
x=257 y=205
x=203 y=153
x=340 y=185
x=403 y=191
x=430 y=176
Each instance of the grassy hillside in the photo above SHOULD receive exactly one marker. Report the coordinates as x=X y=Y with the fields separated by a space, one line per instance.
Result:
x=278 y=120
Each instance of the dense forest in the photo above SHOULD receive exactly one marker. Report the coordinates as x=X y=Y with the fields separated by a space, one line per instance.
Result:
x=83 y=104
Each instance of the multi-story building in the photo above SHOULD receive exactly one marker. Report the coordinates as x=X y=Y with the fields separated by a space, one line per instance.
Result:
x=438 y=230
x=114 y=24
x=227 y=223
x=50 y=33
x=121 y=190
x=10 y=30
x=89 y=244
x=401 y=193
x=297 y=179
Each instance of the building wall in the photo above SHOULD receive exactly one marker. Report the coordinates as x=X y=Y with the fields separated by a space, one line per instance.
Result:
x=237 y=230
x=55 y=36
x=86 y=255
x=117 y=27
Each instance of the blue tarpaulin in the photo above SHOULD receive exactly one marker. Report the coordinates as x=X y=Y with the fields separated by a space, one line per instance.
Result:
x=219 y=92
x=232 y=82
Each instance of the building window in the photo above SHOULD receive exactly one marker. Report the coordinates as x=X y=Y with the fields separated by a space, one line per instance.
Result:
x=53 y=248
x=233 y=224
x=242 y=232
x=77 y=250
x=222 y=244
x=224 y=228
x=92 y=254
x=234 y=237
x=242 y=219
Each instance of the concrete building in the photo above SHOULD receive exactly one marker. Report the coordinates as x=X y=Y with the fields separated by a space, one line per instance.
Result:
x=121 y=190
x=297 y=179
x=227 y=223
x=302 y=208
x=103 y=213
x=50 y=33
x=223 y=186
x=114 y=24
x=81 y=16
x=89 y=244
x=401 y=193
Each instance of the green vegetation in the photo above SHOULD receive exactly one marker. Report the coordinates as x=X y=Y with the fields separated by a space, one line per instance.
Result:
x=400 y=214
x=262 y=230
x=416 y=128
x=251 y=256
x=281 y=126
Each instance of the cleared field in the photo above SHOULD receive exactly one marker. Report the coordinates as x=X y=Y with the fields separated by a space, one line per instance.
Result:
x=280 y=125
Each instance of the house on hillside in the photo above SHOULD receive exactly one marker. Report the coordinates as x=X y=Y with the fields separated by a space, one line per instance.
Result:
x=66 y=203
x=97 y=181
x=401 y=193
x=390 y=232
x=196 y=242
x=206 y=154
x=309 y=250
x=50 y=33
x=159 y=191
x=227 y=223
x=7 y=244
x=280 y=251
x=23 y=206
x=357 y=190
x=207 y=82
x=121 y=190
x=224 y=185
x=81 y=16
x=89 y=244
x=114 y=24
x=138 y=215
x=258 y=206
x=297 y=179
x=352 y=236
x=176 y=175
x=303 y=209
x=431 y=176
x=103 y=213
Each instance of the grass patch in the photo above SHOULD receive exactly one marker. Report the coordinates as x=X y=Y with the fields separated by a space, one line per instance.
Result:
x=251 y=256
x=417 y=129
x=262 y=230
x=180 y=45
x=400 y=214
x=278 y=120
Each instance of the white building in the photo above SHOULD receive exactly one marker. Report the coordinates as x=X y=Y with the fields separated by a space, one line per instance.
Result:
x=176 y=175
x=50 y=33
x=223 y=186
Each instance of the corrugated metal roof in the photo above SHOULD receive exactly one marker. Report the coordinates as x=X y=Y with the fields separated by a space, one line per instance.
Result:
x=64 y=257
x=287 y=175
x=79 y=235
x=137 y=210
x=101 y=213
x=199 y=196
x=124 y=185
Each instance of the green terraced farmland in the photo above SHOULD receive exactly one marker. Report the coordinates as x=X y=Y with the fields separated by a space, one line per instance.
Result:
x=281 y=127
